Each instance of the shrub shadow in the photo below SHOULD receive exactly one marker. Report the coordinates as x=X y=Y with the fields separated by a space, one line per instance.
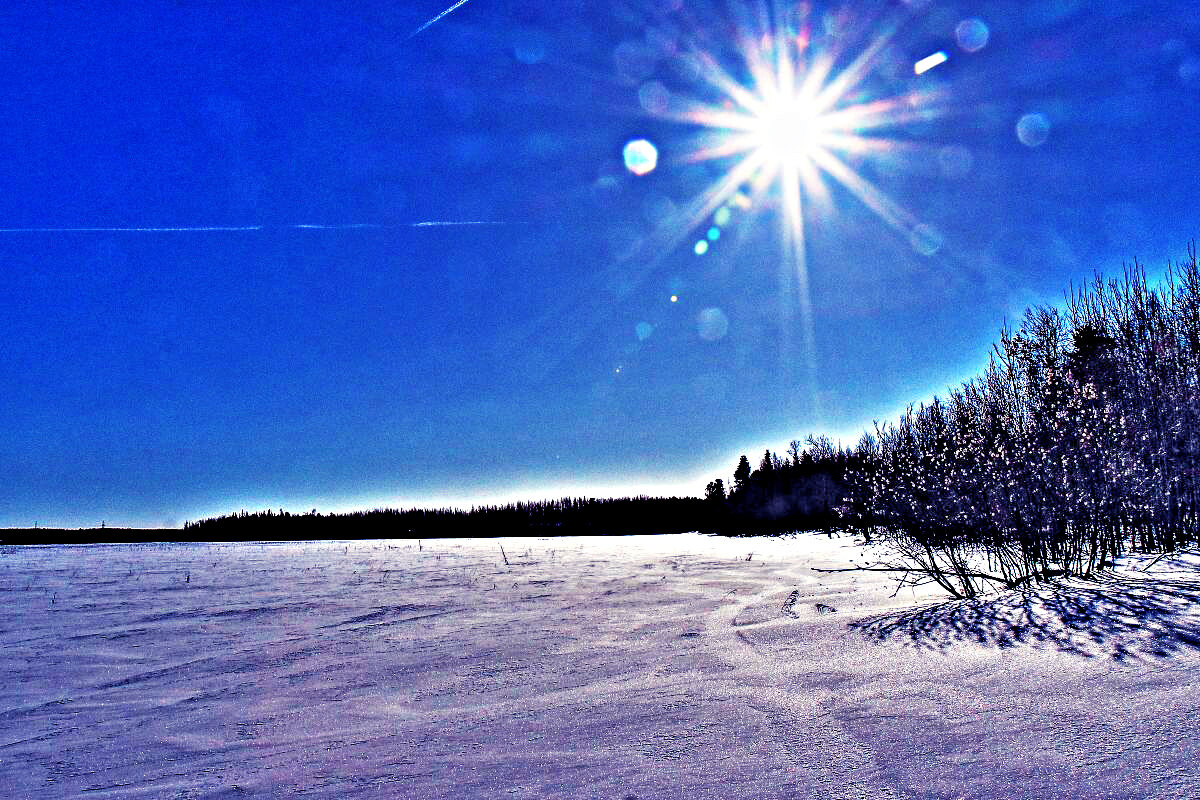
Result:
x=1122 y=617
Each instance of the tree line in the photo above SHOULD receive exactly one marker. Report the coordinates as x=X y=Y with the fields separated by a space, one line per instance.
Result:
x=573 y=516
x=802 y=491
x=739 y=513
x=1078 y=442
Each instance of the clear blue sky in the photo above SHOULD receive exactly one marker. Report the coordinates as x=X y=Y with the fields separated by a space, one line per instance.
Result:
x=152 y=376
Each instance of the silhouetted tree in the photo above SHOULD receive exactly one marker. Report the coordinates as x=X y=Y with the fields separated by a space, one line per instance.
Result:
x=741 y=475
x=715 y=491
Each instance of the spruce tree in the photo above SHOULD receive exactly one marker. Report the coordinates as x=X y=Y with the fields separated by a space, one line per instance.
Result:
x=741 y=475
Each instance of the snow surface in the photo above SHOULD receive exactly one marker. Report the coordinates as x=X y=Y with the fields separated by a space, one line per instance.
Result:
x=634 y=667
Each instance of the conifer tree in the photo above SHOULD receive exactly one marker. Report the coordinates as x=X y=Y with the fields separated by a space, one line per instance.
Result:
x=741 y=475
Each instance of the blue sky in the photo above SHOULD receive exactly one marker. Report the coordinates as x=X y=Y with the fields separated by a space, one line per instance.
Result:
x=152 y=376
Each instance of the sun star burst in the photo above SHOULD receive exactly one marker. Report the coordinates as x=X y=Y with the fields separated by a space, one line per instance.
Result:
x=797 y=121
x=788 y=114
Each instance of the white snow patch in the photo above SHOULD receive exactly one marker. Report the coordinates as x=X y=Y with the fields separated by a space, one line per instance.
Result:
x=630 y=667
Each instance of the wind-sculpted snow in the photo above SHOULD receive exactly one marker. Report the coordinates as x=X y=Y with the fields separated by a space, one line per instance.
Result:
x=635 y=667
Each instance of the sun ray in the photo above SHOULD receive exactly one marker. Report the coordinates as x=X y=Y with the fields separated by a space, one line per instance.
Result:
x=792 y=122
x=717 y=194
x=884 y=207
x=852 y=76
x=791 y=114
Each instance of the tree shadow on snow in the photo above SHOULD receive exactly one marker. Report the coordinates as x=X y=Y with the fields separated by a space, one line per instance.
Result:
x=1122 y=617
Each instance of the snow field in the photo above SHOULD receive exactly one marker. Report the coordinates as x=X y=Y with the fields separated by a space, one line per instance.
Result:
x=625 y=667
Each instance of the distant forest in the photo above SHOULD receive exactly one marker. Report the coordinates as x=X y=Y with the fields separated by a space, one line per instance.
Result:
x=741 y=512
x=567 y=516
x=802 y=492
x=1078 y=442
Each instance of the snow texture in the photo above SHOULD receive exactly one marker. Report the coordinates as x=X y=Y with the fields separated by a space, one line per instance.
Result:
x=619 y=668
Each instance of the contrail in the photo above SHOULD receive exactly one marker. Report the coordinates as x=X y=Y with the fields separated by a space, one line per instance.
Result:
x=173 y=229
x=438 y=17
x=448 y=223
x=336 y=227
x=455 y=224
x=351 y=226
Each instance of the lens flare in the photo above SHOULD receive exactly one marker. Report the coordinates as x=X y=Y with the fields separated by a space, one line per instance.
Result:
x=1033 y=129
x=972 y=35
x=712 y=324
x=641 y=157
x=929 y=62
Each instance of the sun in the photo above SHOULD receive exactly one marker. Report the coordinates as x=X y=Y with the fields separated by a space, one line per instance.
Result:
x=787 y=113
x=787 y=133
x=795 y=115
